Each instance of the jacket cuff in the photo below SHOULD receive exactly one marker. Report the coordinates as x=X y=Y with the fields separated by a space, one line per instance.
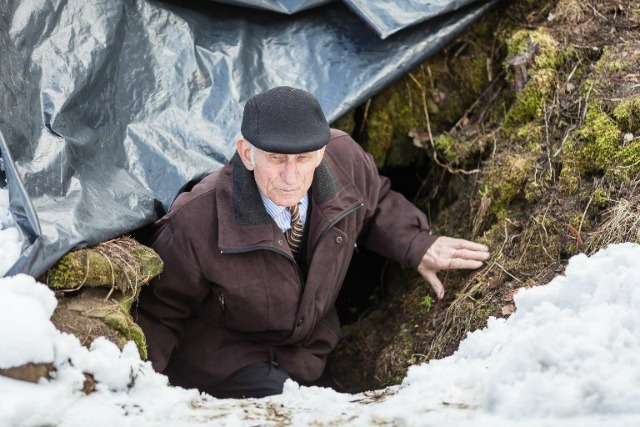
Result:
x=418 y=248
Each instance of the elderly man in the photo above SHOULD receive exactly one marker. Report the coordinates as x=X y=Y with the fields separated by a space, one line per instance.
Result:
x=255 y=254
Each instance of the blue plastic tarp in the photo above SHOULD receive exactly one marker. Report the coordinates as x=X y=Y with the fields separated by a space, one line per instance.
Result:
x=109 y=109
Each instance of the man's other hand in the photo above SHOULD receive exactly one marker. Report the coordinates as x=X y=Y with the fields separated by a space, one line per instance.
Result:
x=447 y=253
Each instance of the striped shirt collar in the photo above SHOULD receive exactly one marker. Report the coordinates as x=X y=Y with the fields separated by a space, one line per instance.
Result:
x=281 y=215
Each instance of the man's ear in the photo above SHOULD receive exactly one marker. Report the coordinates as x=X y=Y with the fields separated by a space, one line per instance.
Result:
x=244 y=151
x=320 y=156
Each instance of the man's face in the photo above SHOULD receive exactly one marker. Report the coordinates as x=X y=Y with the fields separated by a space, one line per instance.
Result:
x=283 y=178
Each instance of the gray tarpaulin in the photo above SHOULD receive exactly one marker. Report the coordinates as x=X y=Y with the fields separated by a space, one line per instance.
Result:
x=388 y=17
x=108 y=109
x=282 y=6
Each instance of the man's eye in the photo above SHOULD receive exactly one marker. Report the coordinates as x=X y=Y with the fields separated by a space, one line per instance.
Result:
x=303 y=158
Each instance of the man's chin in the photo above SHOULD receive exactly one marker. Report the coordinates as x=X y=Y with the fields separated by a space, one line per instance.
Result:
x=287 y=200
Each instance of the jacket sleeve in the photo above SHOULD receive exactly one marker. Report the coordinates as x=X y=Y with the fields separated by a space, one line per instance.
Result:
x=172 y=296
x=394 y=227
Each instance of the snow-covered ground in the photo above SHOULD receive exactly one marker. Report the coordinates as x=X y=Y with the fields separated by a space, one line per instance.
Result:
x=569 y=356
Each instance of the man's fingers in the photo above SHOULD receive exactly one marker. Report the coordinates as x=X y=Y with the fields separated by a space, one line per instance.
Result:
x=469 y=254
x=469 y=264
x=432 y=279
x=435 y=283
x=468 y=244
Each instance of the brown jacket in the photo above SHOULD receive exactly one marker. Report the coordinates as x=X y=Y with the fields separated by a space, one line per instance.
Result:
x=231 y=293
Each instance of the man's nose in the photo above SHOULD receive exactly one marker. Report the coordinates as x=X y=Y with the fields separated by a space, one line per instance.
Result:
x=289 y=173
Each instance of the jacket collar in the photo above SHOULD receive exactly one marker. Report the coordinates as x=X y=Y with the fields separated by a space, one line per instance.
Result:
x=248 y=208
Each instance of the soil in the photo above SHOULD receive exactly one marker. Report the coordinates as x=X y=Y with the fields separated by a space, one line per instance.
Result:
x=82 y=314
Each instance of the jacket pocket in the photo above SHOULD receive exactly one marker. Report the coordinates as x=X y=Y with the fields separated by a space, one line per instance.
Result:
x=243 y=308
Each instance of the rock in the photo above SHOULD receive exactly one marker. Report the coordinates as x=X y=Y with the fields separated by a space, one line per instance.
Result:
x=31 y=372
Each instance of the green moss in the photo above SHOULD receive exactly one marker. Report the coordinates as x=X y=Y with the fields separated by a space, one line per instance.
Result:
x=601 y=198
x=443 y=90
x=627 y=114
x=605 y=142
x=610 y=61
x=150 y=263
x=118 y=268
x=569 y=182
x=535 y=191
x=445 y=145
x=628 y=160
x=135 y=334
x=464 y=150
x=601 y=136
x=120 y=263
x=530 y=102
x=476 y=73
x=379 y=132
x=483 y=28
x=390 y=118
x=505 y=180
x=548 y=57
x=123 y=323
x=531 y=135
x=346 y=123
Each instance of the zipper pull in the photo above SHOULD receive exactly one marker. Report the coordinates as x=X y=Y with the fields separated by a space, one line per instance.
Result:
x=221 y=303
x=355 y=247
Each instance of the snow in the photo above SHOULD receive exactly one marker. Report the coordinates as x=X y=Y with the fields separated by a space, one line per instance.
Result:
x=568 y=356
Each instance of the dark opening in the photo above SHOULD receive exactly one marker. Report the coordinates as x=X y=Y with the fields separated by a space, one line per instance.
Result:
x=364 y=285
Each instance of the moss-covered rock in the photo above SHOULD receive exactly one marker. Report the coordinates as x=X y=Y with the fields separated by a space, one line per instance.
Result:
x=601 y=138
x=96 y=288
x=122 y=263
x=627 y=114
x=505 y=179
x=538 y=74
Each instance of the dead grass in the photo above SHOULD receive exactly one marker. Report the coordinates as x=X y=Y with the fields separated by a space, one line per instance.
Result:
x=622 y=224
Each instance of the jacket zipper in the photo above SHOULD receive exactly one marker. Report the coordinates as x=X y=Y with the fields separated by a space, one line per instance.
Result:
x=221 y=303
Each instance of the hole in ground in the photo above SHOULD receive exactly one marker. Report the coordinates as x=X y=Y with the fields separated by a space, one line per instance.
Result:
x=371 y=285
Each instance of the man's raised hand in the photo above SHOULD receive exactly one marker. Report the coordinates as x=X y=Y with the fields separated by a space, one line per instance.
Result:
x=447 y=253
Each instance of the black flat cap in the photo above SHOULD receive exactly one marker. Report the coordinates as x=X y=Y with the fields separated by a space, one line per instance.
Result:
x=285 y=120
